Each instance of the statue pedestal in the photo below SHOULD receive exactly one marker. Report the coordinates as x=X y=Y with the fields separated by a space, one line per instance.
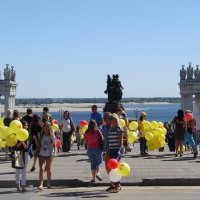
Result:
x=112 y=107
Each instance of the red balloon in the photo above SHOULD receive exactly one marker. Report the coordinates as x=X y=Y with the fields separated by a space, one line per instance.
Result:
x=55 y=121
x=188 y=117
x=113 y=163
x=83 y=123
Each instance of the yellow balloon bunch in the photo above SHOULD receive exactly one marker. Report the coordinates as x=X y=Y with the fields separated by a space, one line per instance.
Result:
x=155 y=135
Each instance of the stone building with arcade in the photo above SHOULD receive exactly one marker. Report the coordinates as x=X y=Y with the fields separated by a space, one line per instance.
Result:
x=190 y=88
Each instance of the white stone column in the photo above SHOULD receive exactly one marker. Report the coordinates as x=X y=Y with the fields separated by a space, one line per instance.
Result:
x=197 y=102
x=186 y=102
x=9 y=102
x=6 y=103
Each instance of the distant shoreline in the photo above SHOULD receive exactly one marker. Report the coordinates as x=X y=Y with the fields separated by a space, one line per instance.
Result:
x=72 y=107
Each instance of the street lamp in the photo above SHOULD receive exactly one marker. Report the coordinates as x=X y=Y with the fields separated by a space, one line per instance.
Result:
x=61 y=114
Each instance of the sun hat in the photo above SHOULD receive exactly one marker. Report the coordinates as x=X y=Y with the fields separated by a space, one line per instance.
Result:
x=143 y=114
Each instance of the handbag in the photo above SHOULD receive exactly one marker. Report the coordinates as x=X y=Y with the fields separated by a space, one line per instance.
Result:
x=101 y=143
x=19 y=160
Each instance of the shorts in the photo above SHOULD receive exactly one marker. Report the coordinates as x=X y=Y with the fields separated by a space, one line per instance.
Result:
x=95 y=156
x=36 y=153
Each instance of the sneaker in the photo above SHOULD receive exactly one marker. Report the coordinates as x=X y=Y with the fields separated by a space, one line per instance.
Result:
x=40 y=187
x=32 y=169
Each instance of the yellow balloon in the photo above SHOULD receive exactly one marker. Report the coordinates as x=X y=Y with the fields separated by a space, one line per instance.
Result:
x=161 y=137
x=146 y=125
x=148 y=136
x=4 y=132
x=123 y=169
x=183 y=149
x=152 y=148
x=151 y=145
x=133 y=125
x=22 y=135
x=132 y=136
x=73 y=139
x=11 y=140
x=2 y=144
x=55 y=127
x=160 y=125
x=1 y=121
x=162 y=144
x=81 y=131
x=84 y=128
x=154 y=125
x=122 y=123
x=15 y=125
x=164 y=130
x=158 y=131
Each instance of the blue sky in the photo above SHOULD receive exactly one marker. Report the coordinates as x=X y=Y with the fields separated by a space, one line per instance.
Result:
x=66 y=48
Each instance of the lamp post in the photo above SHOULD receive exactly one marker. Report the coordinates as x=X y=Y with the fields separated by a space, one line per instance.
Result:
x=61 y=114
x=136 y=112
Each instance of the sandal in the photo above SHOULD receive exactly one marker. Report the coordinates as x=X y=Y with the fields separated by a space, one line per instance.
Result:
x=116 y=189
x=92 y=181
x=109 y=188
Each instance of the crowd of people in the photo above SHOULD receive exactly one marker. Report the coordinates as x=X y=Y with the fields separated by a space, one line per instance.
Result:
x=104 y=138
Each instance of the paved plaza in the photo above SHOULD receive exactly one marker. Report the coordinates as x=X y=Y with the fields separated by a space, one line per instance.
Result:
x=127 y=193
x=73 y=170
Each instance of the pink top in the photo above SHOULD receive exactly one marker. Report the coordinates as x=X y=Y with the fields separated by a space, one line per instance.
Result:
x=92 y=139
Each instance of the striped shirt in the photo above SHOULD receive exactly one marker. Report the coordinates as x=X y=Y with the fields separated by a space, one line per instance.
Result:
x=113 y=138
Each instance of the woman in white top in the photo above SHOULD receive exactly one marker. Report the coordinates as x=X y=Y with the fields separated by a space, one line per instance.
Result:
x=67 y=128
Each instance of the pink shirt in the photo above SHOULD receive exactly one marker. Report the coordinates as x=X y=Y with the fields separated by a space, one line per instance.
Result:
x=92 y=139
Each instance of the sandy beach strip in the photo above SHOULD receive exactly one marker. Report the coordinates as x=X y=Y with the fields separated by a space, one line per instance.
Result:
x=71 y=107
